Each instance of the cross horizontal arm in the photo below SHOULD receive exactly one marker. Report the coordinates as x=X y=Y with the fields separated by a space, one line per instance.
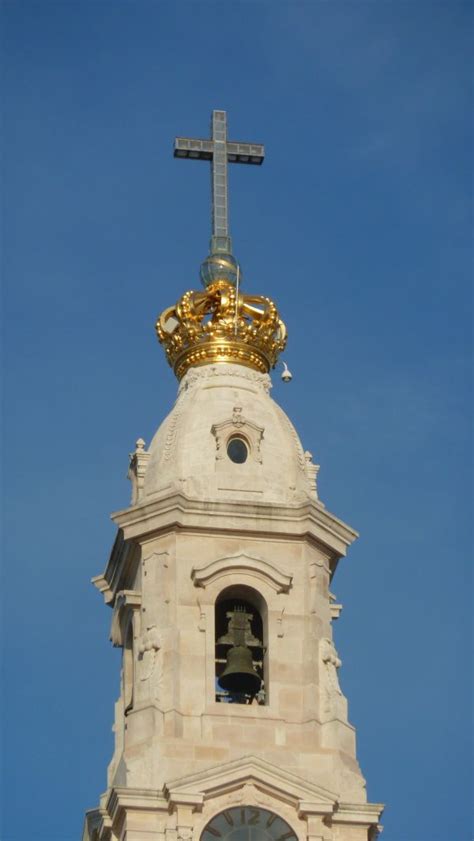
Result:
x=237 y=153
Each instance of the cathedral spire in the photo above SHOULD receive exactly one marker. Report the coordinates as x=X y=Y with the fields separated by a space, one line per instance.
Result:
x=221 y=324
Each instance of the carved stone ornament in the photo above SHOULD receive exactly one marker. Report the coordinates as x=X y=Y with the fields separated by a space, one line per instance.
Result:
x=148 y=646
x=248 y=430
x=127 y=603
x=333 y=703
x=137 y=469
x=196 y=375
x=172 y=432
x=312 y=471
x=332 y=662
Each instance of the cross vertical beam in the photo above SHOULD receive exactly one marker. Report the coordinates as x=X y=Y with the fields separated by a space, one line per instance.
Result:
x=219 y=152
x=220 y=241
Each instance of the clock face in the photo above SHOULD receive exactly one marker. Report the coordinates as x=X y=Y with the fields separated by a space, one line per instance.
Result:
x=247 y=823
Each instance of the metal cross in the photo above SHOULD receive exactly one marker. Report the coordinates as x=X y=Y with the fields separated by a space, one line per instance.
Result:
x=220 y=152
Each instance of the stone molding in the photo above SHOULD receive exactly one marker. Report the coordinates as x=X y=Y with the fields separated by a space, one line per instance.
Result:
x=244 y=565
x=312 y=807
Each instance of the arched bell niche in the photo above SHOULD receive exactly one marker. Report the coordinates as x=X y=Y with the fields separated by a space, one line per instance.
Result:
x=241 y=646
x=248 y=823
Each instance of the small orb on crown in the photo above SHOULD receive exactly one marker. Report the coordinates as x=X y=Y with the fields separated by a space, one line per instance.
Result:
x=220 y=266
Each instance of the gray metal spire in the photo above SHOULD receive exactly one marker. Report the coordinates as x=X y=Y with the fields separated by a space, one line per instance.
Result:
x=219 y=151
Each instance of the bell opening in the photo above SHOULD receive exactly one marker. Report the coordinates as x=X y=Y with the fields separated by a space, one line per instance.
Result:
x=240 y=652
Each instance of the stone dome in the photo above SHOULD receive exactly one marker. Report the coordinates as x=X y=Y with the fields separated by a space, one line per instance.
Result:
x=190 y=452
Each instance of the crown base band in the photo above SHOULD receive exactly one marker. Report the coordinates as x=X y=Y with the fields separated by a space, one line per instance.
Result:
x=217 y=352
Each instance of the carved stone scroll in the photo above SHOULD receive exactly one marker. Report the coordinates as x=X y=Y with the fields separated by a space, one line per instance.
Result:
x=127 y=605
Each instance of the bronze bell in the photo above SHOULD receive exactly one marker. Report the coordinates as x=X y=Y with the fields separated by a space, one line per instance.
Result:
x=239 y=675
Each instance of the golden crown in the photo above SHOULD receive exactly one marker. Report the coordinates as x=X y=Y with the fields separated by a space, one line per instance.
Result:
x=221 y=325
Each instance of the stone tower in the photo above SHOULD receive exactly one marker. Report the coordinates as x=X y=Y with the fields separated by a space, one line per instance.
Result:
x=230 y=720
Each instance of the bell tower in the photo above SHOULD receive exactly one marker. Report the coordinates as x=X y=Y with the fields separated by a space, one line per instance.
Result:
x=230 y=723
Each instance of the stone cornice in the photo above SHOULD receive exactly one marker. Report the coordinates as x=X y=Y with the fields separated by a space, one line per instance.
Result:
x=102 y=584
x=358 y=813
x=243 y=564
x=134 y=798
x=176 y=510
x=307 y=521
x=117 y=571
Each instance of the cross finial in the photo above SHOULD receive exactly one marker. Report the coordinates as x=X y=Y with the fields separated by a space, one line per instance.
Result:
x=219 y=151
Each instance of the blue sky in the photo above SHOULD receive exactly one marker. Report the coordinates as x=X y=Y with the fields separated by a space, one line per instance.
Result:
x=358 y=225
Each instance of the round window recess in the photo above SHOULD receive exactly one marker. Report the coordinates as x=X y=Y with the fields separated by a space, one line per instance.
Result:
x=237 y=450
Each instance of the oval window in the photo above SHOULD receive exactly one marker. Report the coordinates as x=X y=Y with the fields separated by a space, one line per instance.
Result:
x=237 y=450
